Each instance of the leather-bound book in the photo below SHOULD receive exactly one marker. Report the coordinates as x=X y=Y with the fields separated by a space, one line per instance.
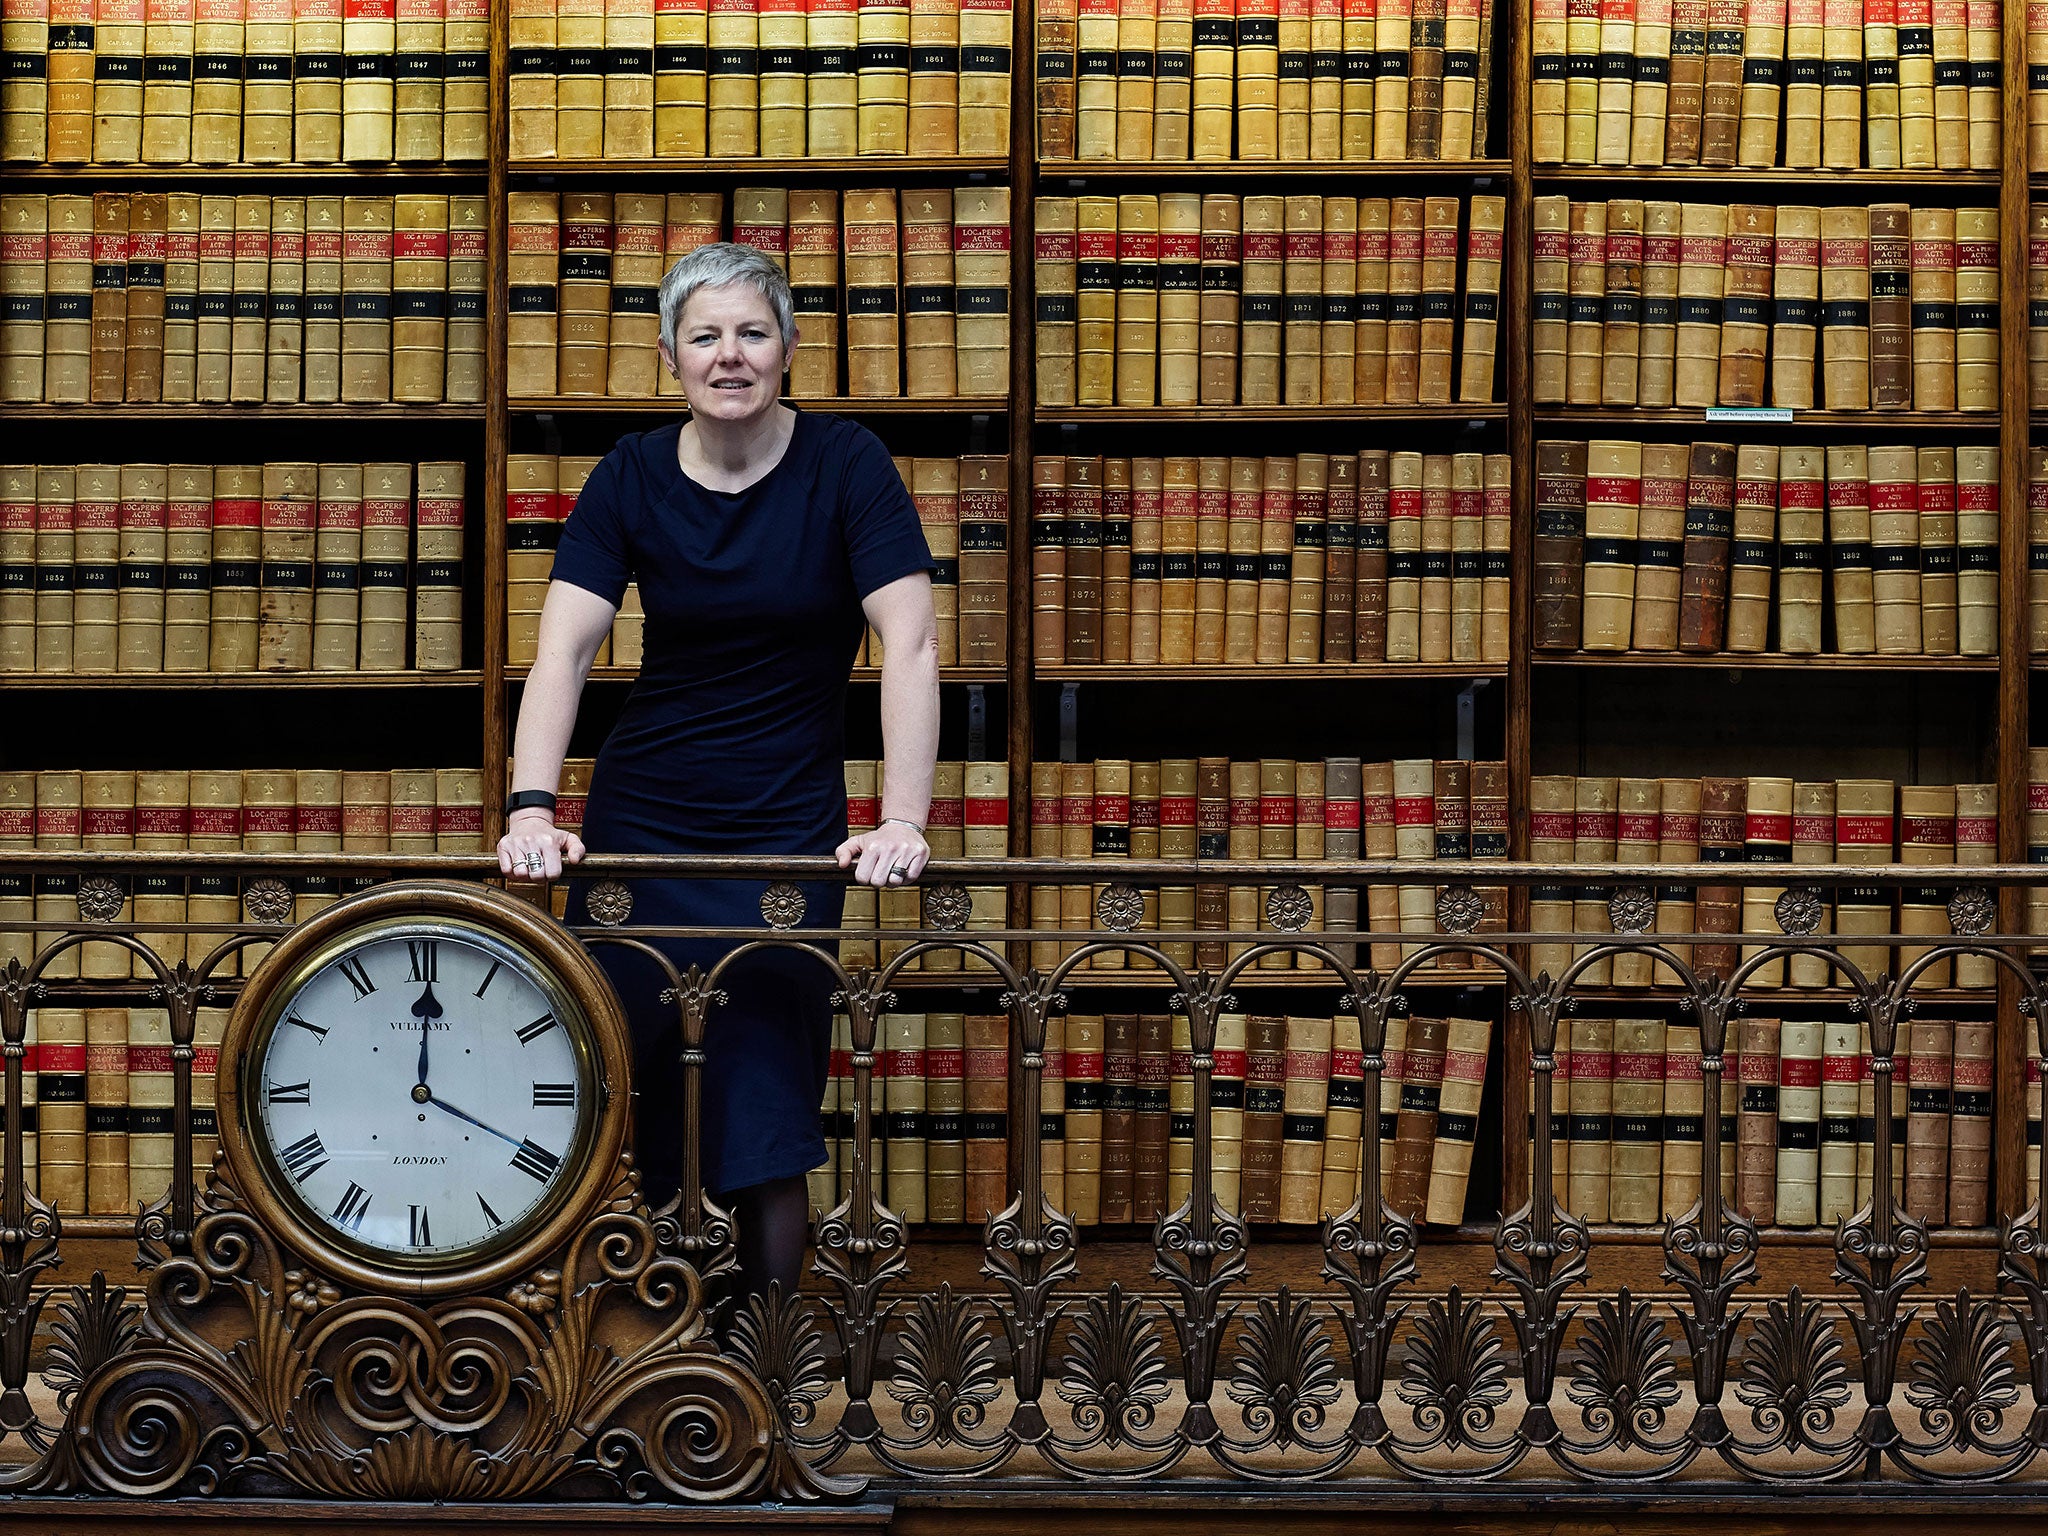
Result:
x=109 y=354
x=1053 y=288
x=882 y=78
x=1116 y=562
x=366 y=299
x=1920 y=40
x=784 y=87
x=1586 y=330
x=465 y=81
x=1137 y=36
x=586 y=306
x=1593 y=827
x=145 y=490
x=1582 y=80
x=1262 y=300
x=1805 y=71
x=1322 y=62
x=1837 y=1198
x=1149 y=1120
x=1709 y=525
x=984 y=561
x=437 y=571
x=1549 y=299
x=1095 y=304
x=317 y=72
x=1929 y=1108
x=1308 y=559
x=387 y=536
x=1934 y=309
x=733 y=84
x=1849 y=548
x=248 y=363
x=24 y=256
x=1304 y=1087
x=1795 y=310
x=68 y=77
x=1976 y=311
x=1703 y=253
x=95 y=613
x=1119 y=1116
x=117 y=81
x=1763 y=77
x=1483 y=245
x=1766 y=839
x=1863 y=835
x=1369 y=590
x=1970 y=1100
x=1302 y=305
x=284 y=630
x=1976 y=497
x=984 y=83
x=1985 y=44
x=1561 y=469
x=1845 y=308
x=321 y=309
x=1894 y=534
x=928 y=319
x=25 y=93
x=17 y=587
x=1095 y=80
x=1752 y=547
x=1415 y=1130
x=419 y=288
x=1404 y=557
x=1457 y=1120
x=217 y=52
x=1439 y=300
x=1258 y=84
x=638 y=222
x=1590 y=1149
x=68 y=302
x=1718 y=908
x=1685 y=100
x=1212 y=560
x=337 y=565
x=1276 y=518
x=1548 y=83
x=1721 y=113
x=985 y=1128
x=1635 y=1187
x=1756 y=1173
x=1678 y=842
x=1746 y=304
x=267 y=41
x=1623 y=322
x=1813 y=842
x=1340 y=556
x=945 y=1119
x=1178 y=525
x=1802 y=518
x=532 y=244
x=1265 y=1085
x=1799 y=1123
x=1049 y=558
x=1927 y=835
x=1935 y=489
x=1613 y=505
x=368 y=39
x=1426 y=27
x=1660 y=546
x=1895 y=279
x=981 y=293
x=870 y=243
x=1406 y=249
x=188 y=558
x=56 y=495
x=1649 y=96
x=1684 y=1126
x=1180 y=298
x=1213 y=64
x=1083 y=541
x=682 y=30
x=1082 y=1100
x=1615 y=85
x=284 y=345
x=1881 y=85
x=237 y=556
x=1344 y=1119
x=1137 y=299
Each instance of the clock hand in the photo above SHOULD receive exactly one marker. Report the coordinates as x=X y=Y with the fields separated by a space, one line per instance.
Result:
x=472 y=1119
x=426 y=1010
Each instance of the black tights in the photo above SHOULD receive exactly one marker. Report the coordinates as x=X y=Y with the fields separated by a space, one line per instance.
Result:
x=774 y=1224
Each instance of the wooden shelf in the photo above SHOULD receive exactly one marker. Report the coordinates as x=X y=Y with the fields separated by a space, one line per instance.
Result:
x=608 y=674
x=1776 y=177
x=219 y=413
x=1723 y=661
x=1246 y=170
x=1877 y=422
x=476 y=171
x=1294 y=415
x=1791 y=997
x=674 y=405
x=1299 y=672
x=884 y=169
x=101 y=682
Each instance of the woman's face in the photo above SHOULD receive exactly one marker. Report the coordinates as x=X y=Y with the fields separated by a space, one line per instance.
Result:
x=729 y=353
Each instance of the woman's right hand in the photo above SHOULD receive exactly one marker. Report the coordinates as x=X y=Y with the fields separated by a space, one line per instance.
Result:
x=534 y=848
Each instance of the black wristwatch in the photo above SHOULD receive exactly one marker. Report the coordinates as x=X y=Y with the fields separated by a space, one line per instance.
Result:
x=527 y=799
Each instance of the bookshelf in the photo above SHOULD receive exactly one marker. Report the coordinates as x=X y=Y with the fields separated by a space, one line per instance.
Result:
x=1540 y=711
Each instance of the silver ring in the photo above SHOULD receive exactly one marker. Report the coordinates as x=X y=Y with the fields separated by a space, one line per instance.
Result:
x=901 y=869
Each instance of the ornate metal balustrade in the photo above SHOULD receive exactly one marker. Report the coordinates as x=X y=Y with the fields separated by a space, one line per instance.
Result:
x=1043 y=1367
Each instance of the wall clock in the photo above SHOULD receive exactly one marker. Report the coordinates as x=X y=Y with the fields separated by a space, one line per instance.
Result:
x=424 y=1087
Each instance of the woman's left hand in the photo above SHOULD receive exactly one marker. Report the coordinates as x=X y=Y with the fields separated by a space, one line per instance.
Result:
x=892 y=854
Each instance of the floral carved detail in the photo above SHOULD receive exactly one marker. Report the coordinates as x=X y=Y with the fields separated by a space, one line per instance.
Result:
x=782 y=905
x=1793 y=1375
x=1799 y=910
x=1961 y=1377
x=945 y=1366
x=100 y=899
x=776 y=1337
x=1456 y=1373
x=1289 y=908
x=1624 y=1378
x=947 y=907
x=1120 y=908
x=1632 y=909
x=609 y=902
x=268 y=900
x=1115 y=1368
x=1458 y=909
x=1972 y=910
x=1284 y=1375
x=94 y=1324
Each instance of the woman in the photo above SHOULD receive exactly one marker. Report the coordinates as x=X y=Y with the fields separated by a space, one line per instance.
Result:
x=761 y=538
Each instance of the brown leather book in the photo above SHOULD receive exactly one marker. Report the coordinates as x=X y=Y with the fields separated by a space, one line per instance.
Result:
x=1746 y=303
x=1457 y=1121
x=109 y=294
x=143 y=373
x=984 y=558
x=986 y=1122
x=1929 y=1105
x=1340 y=556
x=1721 y=113
x=1709 y=524
x=1265 y=1085
x=1415 y=1131
x=1369 y=588
x=1049 y=559
x=1718 y=908
x=1149 y=1120
x=1119 y=1115
x=1083 y=542
x=1222 y=263
x=1559 y=543
x=1970 y=1102
x=1756 y=1166
x=1891 y=307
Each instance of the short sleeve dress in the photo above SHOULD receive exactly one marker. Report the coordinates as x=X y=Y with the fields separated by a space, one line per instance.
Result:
x=733 y=742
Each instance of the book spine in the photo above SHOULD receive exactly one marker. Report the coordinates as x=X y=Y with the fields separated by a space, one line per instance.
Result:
x=1763 y=82
x=1756 y=1176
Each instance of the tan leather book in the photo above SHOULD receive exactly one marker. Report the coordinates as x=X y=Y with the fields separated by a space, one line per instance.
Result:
x=1588 y=1093
x=266 y=71
x=1930 y=1105
x=1796 y=309
x=325 y=246
x=1621 y=328
x=237 y=557
x=418 y=47
x=69 y=70
x=1746 y=304
x=1483 y=248
x=928 y=317
x=1845 y=308
x=831 y=31
x=1881 y=87
x=1684 y=1121
x=317 y=71
x=579 y=78
x=1258 y=83
x=638 y=227
x=285 y=301
x=1048 y=559
x=1976 y=532
x=1805 y=76
x=1457 y=1119
x=188 y=558
x=144 y=493
x=882 y=77
x=1976 y=844
x=1649 y=95
x=369 y=31
x=1222 y=263
x=419 y=298
x=1116 y=561
x=1308 y=559
x=109 y=295
x=94 y=495
x=458 y=810
x=532 y=83
x=1179 y=297
x=1637 y=1099
x=1895 y=550
x=1406 y=556
x=901 y=1067
x=437 y=570
x=532 y=244
x=1813 y=842
x=1985 y=45
x=1678 y=842
x=284 y=627
x=118 y=27
x=585 y=345
x=24 y=256
x=1302 y=301
x=1895 y=279
x=1721 y=99
x=1935 y=492
x=465 y=85
x=1274 y=481
x=1703 y=255
x=387 y=535
x=1801 y=537
x=366 y=298
x=1054 y=297
x=1582 y=81
x=1660 y=546
x=68 y=302
x=1853 y=580
x=1137 y=299
x=1612 y=509
x=1752 y=548
x=984 y=89
x=1615 y=83
x=1593 y=830
x=1756 y=1173
x=1917 y=71
x=1927 y=835
x=1261 y=317
x=1763 y=73
x=1437 y=334
x=1718 y=908
x=217 y=50
x=1976 y=312
x=981 y=291
x=25 y=97
x=1799 y=1123
x=1766 y=839
x=1970 y=1102
x=1637 y=805
x=629 y=80
x=107 y=1182
x=1137 y=36
x=337 y=567
x=17 y=579
x=248 y=365
x=984 y=560
x=1863 y=835
x=61 y=1035
x=1212 y=66
x=1095 y=86
x=1549 y=299
x=1586 y=327
x=1096 y=300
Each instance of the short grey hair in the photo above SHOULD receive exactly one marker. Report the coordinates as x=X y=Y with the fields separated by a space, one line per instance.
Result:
x=714 y=266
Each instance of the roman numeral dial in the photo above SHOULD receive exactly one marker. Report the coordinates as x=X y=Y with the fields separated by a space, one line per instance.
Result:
x=422 y=1095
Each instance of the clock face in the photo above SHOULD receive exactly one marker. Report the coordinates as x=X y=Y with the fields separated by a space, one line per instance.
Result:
x=423 y=1094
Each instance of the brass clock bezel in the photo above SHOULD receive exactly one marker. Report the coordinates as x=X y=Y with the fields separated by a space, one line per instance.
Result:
x=591 y=1016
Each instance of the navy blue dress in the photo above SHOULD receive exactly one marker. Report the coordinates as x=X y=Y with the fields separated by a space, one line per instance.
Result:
x=733 y=742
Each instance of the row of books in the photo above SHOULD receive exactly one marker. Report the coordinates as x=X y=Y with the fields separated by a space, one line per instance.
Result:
x=1593 y=819
x=97 y=1112
x=969 y=819
x=922 y=305
x=181 y=297
x=1911 y=85
x=963 y=505
x=1287 y=559
x=1798 y=1113
x=229 y=810
x=1186 y=298
x=267 y=82
x=1889 y=551
x=1116 y=1117
x=594 y=79
x=1257 y=80
x=1213 y=809
x=1700 y=304
x=141 y=568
